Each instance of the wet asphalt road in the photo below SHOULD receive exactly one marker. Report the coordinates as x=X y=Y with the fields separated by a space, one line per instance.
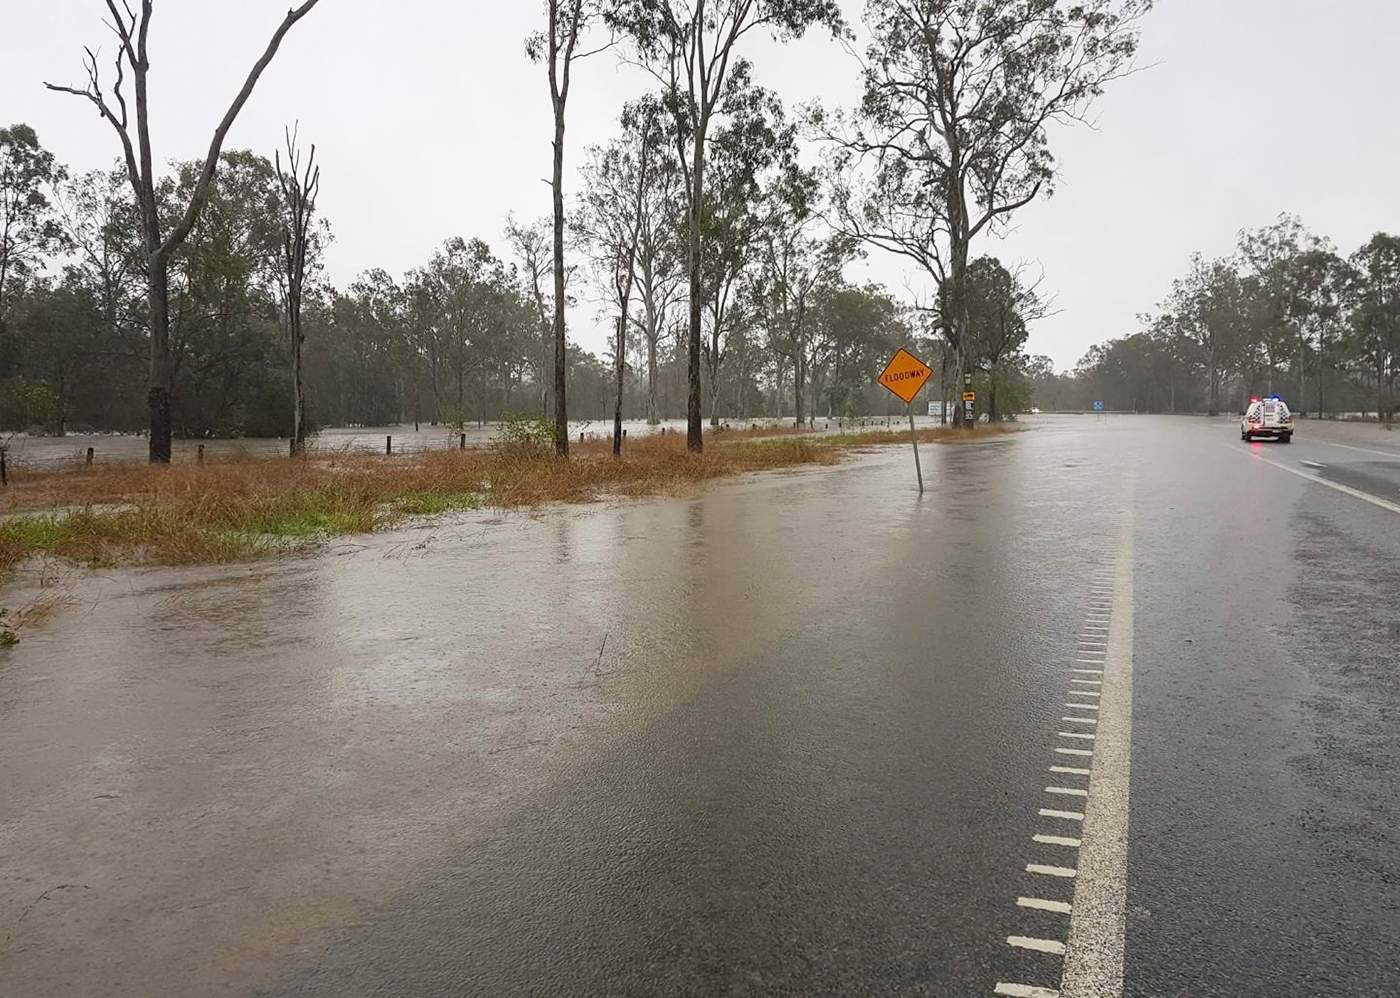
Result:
x=792 y=736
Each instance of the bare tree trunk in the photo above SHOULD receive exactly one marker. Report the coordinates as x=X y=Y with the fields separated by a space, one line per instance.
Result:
x=799 y=374
x=298 y=392
x=620 y=364
x=693 y=438
x=561 y=409
x=653 y=417
x=159 y=395
x=132 y=31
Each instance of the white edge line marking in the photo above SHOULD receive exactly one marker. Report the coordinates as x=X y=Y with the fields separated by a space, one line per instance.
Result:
x=1039 y=945
x=1093 y=965
x=1041 y=904
x=1024 y=991
x=1337 y=486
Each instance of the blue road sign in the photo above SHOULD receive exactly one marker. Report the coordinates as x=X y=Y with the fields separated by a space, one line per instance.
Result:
x=1098 y=407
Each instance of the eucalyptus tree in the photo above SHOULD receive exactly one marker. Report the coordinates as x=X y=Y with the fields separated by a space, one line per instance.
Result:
x=691 y=48
x=1002 y=304
x=225 y=312
x=1268 y=260
x=465 y=279
x=952 y=133
x=159 y=240
x=855 y=329
x=30 y=228
x=99 y=218
x=618 y=190
x=755 y=179
x=559 y=46
x=1208 y=311
x=301 y=244
x=658 y=263
x=530 y=244
x=1375 y=317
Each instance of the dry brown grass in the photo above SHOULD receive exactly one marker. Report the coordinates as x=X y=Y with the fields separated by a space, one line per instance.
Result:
x=228 y=509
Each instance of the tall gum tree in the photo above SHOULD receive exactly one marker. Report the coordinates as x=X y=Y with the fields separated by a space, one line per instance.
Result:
x=132 y=29
x=301 y=244
x=559 y=46
x=951 y=135
x=29 y=223
x=690 y=47
x=608 y=220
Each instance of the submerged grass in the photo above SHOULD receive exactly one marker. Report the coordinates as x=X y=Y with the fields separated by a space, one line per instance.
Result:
x=245 y=507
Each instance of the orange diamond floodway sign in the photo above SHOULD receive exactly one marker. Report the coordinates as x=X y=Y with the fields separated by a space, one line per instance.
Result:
x=905 y=375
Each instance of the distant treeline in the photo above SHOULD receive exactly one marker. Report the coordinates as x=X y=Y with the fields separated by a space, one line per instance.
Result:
x=466 y=337
x=1285 y=314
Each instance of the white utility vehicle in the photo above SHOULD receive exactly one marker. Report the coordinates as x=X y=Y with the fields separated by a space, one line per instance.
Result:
x=1267 y=418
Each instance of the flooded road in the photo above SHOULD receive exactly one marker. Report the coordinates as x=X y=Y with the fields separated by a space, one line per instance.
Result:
x=790 y=736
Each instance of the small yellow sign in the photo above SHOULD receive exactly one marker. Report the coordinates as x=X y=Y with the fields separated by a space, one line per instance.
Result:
x=969 y=396
x=905 y=375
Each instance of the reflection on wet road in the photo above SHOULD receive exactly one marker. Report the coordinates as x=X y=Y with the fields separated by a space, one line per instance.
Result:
x=790 y=736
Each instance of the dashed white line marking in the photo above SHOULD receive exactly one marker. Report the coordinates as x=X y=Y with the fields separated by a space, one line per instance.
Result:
x=1067 y=791
x=1081 y=706
x=1073 y=751
x=1075 y=770
x=1081 y=720
x=1046 y=812
x=1088 y=682
x=1365 y=450
x=1074 y=734
x=1336 y=486
x=1088 y=672
x=1041 y=904
x=1094 y=644
x=1056 y=840
x=1024 y=991
x=1312 y=464
x=1039 y=945
x=1064 y=872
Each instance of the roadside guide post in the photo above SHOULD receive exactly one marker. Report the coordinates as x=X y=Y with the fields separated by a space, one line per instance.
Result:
x=904 y=376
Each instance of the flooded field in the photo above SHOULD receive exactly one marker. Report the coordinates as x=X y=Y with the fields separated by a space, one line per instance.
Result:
x=56 y=451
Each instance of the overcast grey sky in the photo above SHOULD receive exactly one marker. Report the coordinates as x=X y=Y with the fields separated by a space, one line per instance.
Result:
x=430 y=123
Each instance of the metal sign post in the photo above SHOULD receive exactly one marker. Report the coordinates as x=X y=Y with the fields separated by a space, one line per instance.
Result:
x=914 y=439
x=903 y=376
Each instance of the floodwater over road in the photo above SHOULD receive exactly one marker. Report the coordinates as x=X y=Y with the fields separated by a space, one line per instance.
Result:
x=791 y=735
